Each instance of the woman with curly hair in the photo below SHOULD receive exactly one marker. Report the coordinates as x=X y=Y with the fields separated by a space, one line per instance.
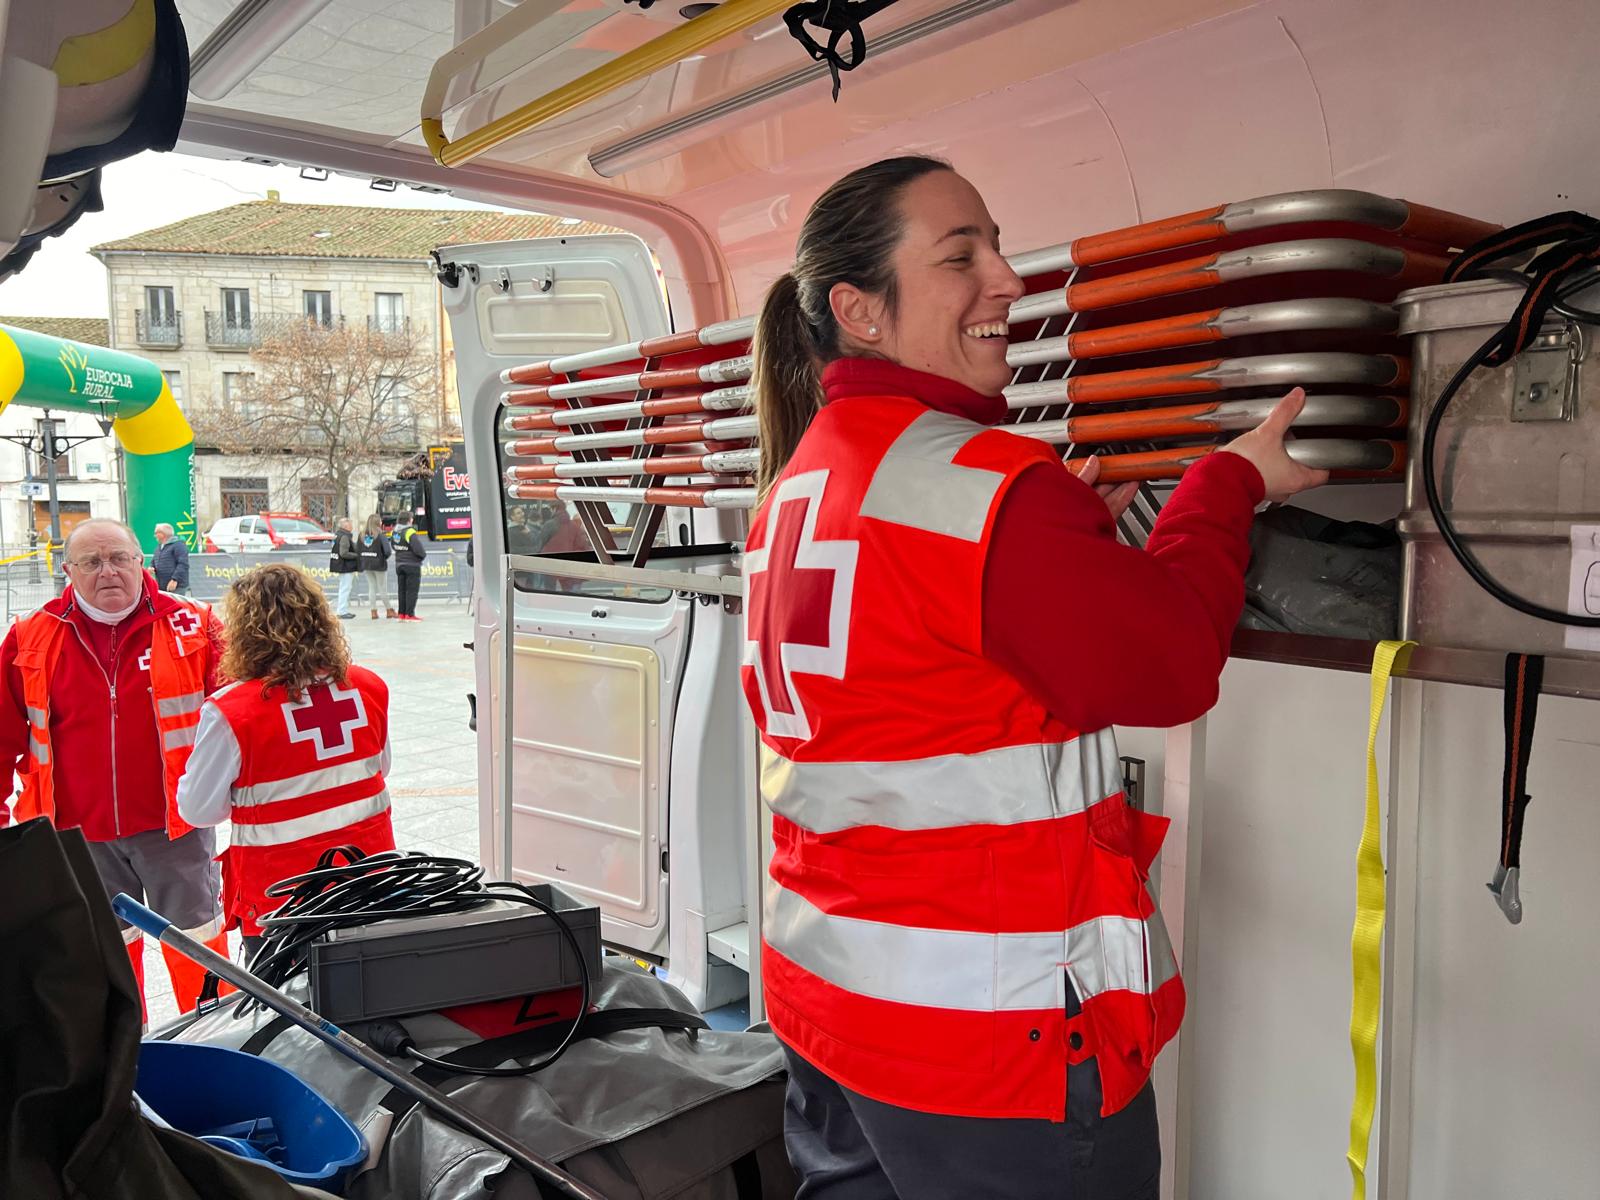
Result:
x=294 y=751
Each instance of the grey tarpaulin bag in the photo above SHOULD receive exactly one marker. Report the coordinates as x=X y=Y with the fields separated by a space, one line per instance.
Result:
x=641 y=1114
x=1313 y=574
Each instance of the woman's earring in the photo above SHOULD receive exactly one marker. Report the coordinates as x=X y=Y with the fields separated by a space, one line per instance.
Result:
x=872 y=331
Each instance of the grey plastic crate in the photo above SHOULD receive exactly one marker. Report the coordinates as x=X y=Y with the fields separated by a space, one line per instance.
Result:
x=391 y=968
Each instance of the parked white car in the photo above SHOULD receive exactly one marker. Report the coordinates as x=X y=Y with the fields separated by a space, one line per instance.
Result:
x=263 y=532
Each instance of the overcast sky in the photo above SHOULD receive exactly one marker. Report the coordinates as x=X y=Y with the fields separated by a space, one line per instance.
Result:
x=149 y=190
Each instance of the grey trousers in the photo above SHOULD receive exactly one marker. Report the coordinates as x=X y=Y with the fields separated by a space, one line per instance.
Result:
x=179 y=879
x=847 y=1147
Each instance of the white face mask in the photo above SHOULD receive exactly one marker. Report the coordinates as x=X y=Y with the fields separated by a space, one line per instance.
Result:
x=108 y=618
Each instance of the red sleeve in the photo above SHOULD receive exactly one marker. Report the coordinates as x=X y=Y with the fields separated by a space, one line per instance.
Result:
x=1104 y=634
x=13 y=720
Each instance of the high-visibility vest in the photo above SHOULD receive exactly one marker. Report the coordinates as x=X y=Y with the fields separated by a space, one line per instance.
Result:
x=180 y=653
x=949 y=858
x=309 y=779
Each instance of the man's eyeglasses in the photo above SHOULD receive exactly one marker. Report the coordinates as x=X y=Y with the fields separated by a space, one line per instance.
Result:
x=121 y=560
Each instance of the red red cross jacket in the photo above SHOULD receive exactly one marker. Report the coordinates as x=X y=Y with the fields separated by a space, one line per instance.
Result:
x=951 y=855
x=296 y=776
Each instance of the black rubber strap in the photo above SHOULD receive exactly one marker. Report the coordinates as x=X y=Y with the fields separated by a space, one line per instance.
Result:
x=838 y=18
x=533 y=1042
x=266 y=1035
x=1574 y=241
x=1524 y=677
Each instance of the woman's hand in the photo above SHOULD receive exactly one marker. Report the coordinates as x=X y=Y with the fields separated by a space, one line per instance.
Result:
x=1263 y=447
x=1116 y=495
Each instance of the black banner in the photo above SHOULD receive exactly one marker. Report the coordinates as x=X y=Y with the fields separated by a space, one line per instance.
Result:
x=450 y=493
x=445 y=574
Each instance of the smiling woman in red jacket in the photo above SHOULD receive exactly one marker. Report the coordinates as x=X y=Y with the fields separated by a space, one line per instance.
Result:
x=962 y=958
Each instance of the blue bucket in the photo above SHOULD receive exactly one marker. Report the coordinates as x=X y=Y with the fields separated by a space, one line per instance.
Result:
x=250 y=1107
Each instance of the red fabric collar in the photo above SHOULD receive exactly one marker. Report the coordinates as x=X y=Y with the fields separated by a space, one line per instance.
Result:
x=847 y=377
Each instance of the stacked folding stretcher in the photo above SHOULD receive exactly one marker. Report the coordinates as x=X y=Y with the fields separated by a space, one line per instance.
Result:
x=1149 y=346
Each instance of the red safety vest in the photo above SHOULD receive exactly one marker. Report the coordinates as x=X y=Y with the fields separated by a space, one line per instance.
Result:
x=948 y=856
x=309 y=779
x=180 y=652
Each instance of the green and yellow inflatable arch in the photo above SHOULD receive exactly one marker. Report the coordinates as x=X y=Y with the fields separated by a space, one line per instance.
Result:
x=48 y=372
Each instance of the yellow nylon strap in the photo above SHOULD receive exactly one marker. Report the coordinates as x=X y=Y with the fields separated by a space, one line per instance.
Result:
x=1366 y=941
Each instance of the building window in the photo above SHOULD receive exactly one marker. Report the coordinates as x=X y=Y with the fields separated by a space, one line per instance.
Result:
x=236 y=308
x=243 y=496
x=395 y=410
x=317 y=501
x=389 y=315
x=36 y=458
x=156 y=324
x=174 y=384
x=236 y=397
x=319 y=308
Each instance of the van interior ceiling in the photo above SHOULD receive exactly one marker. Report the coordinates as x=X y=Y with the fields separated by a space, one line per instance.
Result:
x=1209 y=202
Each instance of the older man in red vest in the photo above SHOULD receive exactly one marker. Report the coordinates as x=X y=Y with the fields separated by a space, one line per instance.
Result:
x=100 y=693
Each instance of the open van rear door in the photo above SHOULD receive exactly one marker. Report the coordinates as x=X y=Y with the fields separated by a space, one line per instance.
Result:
x=599 y=667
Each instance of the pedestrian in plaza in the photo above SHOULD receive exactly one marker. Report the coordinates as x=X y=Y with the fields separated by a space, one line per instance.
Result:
x=100 y=692
x=376 y=551
x=171 y=562
x=344 y=562
x=410 y=548
x=295 y=751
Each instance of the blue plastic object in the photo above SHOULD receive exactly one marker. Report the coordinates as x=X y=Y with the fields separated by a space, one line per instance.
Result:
x=250 y=1107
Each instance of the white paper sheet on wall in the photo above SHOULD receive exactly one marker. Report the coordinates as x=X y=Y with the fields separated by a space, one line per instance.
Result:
x=1583 y=591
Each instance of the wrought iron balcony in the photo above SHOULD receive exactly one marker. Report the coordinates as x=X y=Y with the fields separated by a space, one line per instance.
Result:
x=162 y=330
x=399 y=326
x=225 y=333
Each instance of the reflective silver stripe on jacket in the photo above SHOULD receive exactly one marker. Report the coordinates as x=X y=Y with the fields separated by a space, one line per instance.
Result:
x=918 y=484
x=176 y=706
x=40 y=751
x=172 y=739
x=997 y=787
x=308 y=784
x=973 y=972
x=37 y=716
x=278 y=833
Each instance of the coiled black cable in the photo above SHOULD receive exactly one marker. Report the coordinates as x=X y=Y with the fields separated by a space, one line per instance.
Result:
x=388 y=886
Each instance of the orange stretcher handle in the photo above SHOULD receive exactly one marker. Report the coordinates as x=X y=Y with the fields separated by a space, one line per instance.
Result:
x=1444 y=228
x=1190 y=329
x=1184 y=230
x=1184 y=420
x=1169 y=279
x=1175 y=379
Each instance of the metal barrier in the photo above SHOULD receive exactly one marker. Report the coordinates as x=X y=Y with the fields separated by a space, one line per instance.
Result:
x=26 y=585
x=445 y=574
x=25 y=580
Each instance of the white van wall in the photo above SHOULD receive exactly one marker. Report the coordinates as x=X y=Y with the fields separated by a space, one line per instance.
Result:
x=1505 y=1065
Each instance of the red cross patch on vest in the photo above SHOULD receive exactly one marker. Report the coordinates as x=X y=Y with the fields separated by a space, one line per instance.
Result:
x=327 y=716
x=185 y=622
x=806 y=628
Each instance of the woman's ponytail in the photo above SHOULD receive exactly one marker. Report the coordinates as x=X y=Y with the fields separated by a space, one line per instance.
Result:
x=788 y=386
x=849 y=236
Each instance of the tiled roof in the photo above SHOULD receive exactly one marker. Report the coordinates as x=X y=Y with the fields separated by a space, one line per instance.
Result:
x=92 y=331
x=269 y=227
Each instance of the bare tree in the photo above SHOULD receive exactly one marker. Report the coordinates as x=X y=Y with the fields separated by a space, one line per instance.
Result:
x=330 y=400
